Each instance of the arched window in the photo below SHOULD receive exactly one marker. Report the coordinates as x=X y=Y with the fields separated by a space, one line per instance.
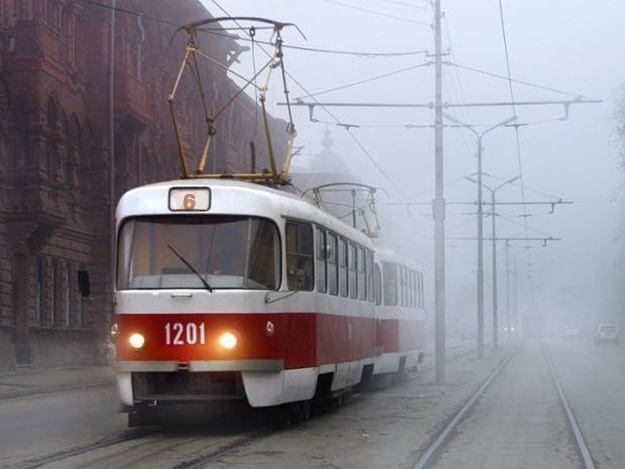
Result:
x=73 y=140
x=86 y=144
x=4 y=103
x=52 y=115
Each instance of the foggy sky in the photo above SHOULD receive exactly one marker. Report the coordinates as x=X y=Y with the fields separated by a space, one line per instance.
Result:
x=574 y=48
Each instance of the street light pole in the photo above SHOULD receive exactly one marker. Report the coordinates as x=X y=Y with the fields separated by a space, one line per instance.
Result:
x=494 y=251
x=480 y=253
x=439 y=210
x=508 y=323
x=480 y=237
x=494 y=255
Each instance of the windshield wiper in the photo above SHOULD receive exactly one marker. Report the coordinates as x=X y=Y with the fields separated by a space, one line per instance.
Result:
x=191 y=268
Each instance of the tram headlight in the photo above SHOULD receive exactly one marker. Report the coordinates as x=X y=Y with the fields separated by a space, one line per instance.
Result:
x=136 y=340
x=228 y=340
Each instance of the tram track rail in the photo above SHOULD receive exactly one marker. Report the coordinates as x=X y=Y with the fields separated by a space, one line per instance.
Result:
x=40 y=461
x=162 y=444
x=579 y=437
x=443 y=437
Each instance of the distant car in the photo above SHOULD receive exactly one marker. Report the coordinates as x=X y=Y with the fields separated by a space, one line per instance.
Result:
x=607 y=334
x=572 y=332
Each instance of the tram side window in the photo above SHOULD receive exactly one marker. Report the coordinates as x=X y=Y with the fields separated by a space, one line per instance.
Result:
x=264 y=252
x=378 y=285
x=413 y=289
x=343 y=263
x=332 y=248
x=353 y=271
x=389 y=272
x=400 y=290
x=362 y=274
x=421 y=292
x=406 y=287
x=299 y=256
x=321 y=259
x=370 y=288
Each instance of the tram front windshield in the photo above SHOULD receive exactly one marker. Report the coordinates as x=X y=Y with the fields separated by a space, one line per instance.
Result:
x=199 y=252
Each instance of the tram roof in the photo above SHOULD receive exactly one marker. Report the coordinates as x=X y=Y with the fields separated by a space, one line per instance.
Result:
x=383 y=254
x=232 y=197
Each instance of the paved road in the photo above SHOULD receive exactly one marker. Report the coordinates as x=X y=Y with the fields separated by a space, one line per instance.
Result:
x=380 y=429
x=49 y=423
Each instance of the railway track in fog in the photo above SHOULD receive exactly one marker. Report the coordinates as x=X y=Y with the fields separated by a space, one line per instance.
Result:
x=579 y=437
x=66 y=454
x=486 y=428
x=153 y=447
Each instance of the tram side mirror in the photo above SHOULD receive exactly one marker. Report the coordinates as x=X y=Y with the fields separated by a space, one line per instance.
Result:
x=84 y=285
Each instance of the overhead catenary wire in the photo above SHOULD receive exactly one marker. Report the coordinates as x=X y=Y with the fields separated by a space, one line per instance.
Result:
x=513 y=80
x=376 y=13
x=366 y=80
x=358 y=143
x=408 y=5
x=128 y=12
x=337 y=121
x=366 y=54
x=526 y=188
x=516 y=128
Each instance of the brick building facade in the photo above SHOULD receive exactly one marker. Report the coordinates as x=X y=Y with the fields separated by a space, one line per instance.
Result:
x=56 y=157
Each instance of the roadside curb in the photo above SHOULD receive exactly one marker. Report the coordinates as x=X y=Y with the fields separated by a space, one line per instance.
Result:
x=46 y=382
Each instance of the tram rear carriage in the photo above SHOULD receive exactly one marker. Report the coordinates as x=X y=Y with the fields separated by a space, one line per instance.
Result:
x=400 y=315
x=228 y=290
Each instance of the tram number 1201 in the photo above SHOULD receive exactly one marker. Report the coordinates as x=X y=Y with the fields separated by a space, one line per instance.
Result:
x=190 y=333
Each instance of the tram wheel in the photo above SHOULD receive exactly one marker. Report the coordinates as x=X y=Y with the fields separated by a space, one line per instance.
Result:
x=299 y=411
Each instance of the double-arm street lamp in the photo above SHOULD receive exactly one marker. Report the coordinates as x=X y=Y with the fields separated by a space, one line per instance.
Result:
x=494 y=252
x=480 y=262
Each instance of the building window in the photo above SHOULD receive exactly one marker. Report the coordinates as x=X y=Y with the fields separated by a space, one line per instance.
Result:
x=39 y=292
x=67 y=297
x=82 y=299
x=52 y=15
x=54 y=293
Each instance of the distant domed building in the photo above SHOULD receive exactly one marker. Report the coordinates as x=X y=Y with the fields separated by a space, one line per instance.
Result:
x=342 y=198
x=328 y=162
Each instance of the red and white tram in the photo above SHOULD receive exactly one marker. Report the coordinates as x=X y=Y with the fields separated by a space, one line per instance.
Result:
x=400 y=315
x=233 y=290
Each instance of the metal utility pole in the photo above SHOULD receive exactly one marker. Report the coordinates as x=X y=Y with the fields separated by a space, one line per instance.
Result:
x=480 y=236
x=508 y=323
x=494 y=253
x=493 y=191
x=111 y=98
x=438 y=210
